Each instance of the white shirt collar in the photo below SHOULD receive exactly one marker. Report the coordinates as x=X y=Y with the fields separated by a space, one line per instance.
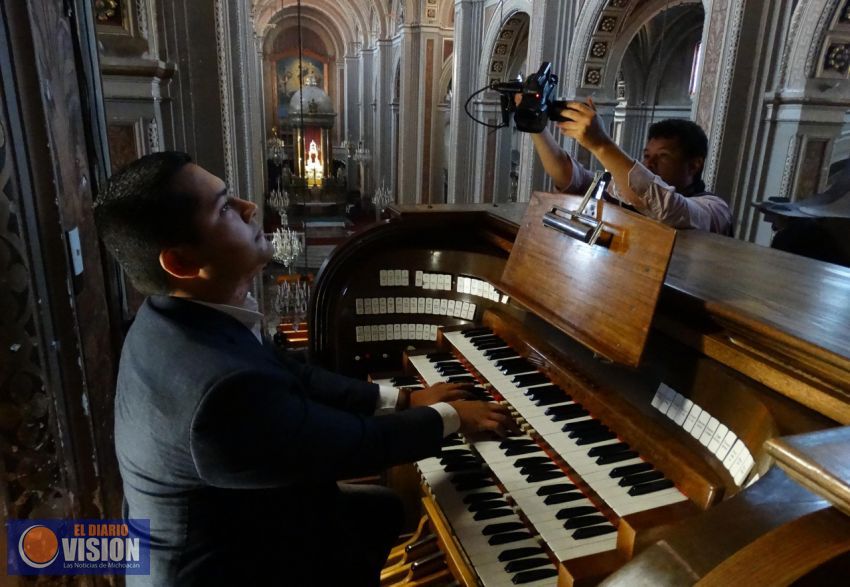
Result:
x=246 y=314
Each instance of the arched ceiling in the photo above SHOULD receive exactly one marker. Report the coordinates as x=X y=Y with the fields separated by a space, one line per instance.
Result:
x=346 y=22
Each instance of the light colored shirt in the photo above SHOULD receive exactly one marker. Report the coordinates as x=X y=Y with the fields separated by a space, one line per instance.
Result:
x=248 y=316
x=660 y=201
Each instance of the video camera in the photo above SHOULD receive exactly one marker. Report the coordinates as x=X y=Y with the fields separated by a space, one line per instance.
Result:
x=537 y=106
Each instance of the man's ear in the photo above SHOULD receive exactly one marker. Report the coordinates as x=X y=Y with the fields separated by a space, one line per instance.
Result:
x=177 y=264
x=695 y=165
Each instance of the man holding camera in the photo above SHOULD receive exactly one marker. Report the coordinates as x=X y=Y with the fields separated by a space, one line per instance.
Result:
x=666 y=186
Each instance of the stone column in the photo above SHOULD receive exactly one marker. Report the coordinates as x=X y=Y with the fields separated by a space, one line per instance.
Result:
x=367 y=114
x=341 y=92
x=469 y=37
x=351 y=110
x=730 y=105
x=421 y=48
x=352 y=92
x=383 y=155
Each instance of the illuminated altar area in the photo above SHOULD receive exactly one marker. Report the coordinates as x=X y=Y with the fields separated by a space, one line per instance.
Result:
x=310 y=118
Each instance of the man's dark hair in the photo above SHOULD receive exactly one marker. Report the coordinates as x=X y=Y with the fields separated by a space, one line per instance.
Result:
x=690 y=135
x=140 y=213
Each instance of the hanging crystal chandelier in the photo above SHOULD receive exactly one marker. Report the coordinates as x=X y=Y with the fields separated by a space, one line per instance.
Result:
x=382 y=198
x=362 y=154
x=287 y=245
x=275 y=151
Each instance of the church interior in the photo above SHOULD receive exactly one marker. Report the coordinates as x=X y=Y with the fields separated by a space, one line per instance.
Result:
x=382 y=161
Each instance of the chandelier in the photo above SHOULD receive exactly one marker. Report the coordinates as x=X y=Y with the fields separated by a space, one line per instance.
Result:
x=287 y=246
x=362 y=154
x=382 y=198
x=275 y=148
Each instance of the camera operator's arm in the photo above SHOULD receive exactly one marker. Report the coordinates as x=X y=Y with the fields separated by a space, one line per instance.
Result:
x=558 y=165
x=585 y=126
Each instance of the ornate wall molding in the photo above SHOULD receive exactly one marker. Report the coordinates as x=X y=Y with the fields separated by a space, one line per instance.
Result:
x=502 y=38
x=33 y=483
x=789 y=170
x=224 y=84
x=154 y=143
x=732 y=33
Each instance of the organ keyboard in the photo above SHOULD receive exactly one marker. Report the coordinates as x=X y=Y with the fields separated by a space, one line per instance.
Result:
x=613 y=456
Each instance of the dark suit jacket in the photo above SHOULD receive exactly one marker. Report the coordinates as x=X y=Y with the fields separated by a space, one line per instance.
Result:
x=233 y=452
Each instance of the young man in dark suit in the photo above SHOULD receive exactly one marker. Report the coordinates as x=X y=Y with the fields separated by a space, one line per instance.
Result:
x=230 y=450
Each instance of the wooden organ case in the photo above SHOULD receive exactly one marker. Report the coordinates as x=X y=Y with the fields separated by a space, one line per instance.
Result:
x=652 y=467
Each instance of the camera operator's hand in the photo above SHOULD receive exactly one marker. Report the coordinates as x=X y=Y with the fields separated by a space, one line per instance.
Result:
x=585 y=126
x=478 y=416
x=440 y=392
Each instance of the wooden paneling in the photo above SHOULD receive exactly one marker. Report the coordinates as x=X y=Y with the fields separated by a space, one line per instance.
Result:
x=62 y=317
x=604 y=296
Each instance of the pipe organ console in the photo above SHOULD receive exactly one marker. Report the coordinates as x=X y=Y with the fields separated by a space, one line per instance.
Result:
x=645 y=386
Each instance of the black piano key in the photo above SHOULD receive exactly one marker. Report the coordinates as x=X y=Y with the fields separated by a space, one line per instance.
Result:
x=608 y=449
x=404 y=380
x=537 y=477
x=575 y=512
x=518 y=553
x=447 y=363
x=508 y=537
x=592 y=531
x=629 y=470
x=555 y=488
x=477 y=484
x=639 y=478
x=461 y=465
x=580 y=425
x=594 y=438
x=483 y=496
x=584 y=522
x=522 y=450
x=517 y=368
x=547 y=389
x=464 y=477
x=492 y=514
x=491 y=529
x=532 y=469
x=515 y=442
x=493 y=504
x=526 y=461
x=440 y=356
x=486 y=340
x=510 y=361
x=461 y=379
x=652 y=487
x=529 y=379
x=567 y=497
x=475 y=331
x=490 y=345
x=526 y=564
x=494 y=354
x=449 y=457
x=548 y=401
x=597 y=428
x=569 y=412
x=617 y=457
x=534 y=575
